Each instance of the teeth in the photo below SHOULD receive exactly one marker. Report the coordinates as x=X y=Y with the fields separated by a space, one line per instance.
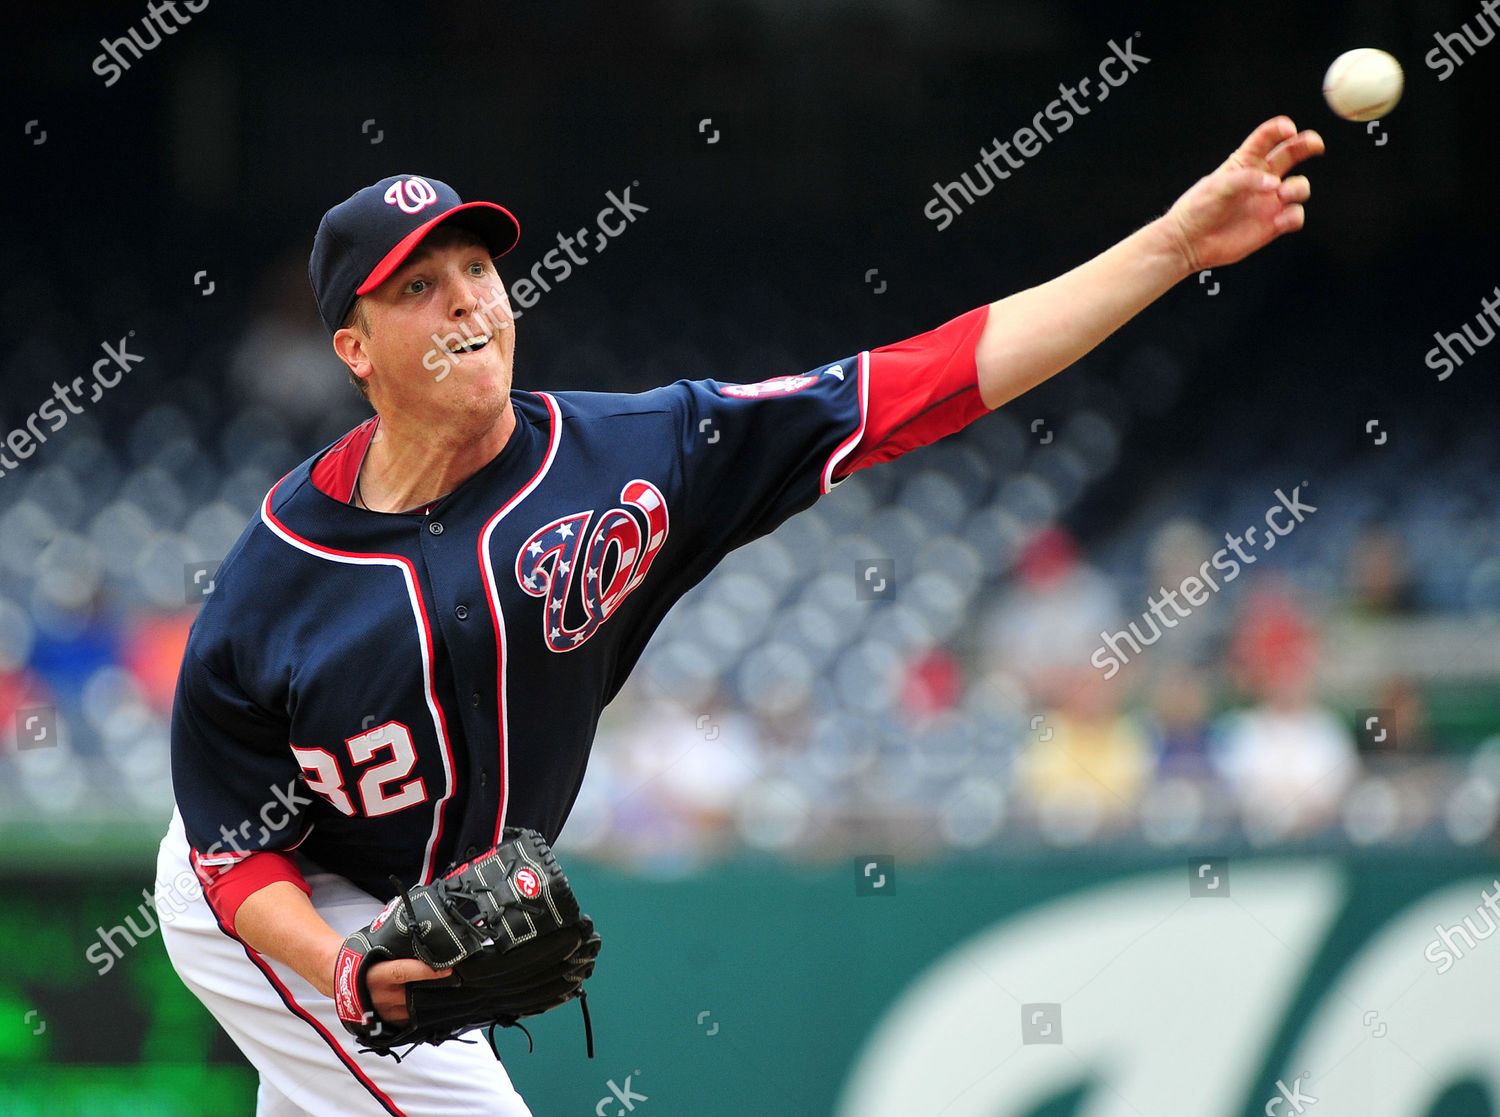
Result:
x=470 y=346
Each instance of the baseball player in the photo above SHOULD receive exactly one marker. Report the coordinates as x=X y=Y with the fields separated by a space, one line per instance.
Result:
x=409 y=647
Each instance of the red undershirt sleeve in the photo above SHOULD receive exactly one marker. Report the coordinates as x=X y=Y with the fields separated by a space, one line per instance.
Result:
x=226 y=887
x=921 y=390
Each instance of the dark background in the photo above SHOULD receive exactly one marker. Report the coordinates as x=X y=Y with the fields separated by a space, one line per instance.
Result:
x=221 y=149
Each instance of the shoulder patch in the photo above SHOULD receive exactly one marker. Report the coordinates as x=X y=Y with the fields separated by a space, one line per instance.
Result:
x=775 y=386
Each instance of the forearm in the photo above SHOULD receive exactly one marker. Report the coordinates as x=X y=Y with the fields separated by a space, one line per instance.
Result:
x=280 y=922
x=1035 y=334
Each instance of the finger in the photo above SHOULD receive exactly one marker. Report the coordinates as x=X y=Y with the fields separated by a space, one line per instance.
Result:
x=393 y=1013
x=1267 y=136
x=1246 y=178
x=1295 y=189
x=1290 y=152
x=1291 y=219
x=389 y=1003
x=402 y=970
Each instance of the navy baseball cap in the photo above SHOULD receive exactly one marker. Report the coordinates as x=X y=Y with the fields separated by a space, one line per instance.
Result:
x=366 y=237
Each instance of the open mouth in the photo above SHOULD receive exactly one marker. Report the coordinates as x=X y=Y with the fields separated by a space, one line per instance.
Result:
x=470 y=345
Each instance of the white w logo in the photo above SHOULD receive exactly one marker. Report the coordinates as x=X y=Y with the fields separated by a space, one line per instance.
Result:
x=413 y=195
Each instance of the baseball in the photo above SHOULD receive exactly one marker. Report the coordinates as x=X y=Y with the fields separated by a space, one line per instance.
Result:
x=1363 y=84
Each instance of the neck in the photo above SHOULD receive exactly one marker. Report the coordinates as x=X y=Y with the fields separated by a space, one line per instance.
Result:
x=408 y=465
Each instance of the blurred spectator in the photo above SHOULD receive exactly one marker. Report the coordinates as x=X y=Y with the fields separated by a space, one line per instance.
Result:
x=1287 y=759
x=1048 y=624
x=1379 y=580
x=1402 y=732
x=1086 y=757
x=19 y=690
x=1176 y=551
x=682 y=772
x=1178 y=722
x=153 y=654
x=73 y=641
x=285 y=360
x=933 y=685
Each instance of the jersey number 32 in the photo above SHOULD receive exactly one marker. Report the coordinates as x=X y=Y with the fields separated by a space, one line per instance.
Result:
x=383 y=788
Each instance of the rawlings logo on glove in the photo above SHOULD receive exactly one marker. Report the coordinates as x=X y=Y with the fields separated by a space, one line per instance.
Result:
x=506 y=923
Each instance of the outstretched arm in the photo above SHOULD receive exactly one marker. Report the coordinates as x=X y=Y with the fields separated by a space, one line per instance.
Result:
x=1224 y=217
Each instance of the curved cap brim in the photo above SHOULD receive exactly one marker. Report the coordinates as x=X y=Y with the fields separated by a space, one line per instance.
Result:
x=494 y=224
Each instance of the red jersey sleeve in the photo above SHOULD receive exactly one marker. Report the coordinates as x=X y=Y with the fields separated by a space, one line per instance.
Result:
x=229 y=883
x=920 y=390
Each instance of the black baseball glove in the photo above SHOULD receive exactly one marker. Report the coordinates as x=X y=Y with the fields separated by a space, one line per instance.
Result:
x=508 y=925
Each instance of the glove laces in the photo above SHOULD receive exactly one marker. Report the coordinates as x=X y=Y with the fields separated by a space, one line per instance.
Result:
x=588 y=1029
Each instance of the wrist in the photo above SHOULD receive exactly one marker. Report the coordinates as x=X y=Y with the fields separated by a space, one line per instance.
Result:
x=323 y=960
x=1172 y=245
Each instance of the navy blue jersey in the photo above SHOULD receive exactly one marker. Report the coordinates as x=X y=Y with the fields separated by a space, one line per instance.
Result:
x=419 y=680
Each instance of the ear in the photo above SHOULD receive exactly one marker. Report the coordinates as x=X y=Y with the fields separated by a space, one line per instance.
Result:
x=349 y=344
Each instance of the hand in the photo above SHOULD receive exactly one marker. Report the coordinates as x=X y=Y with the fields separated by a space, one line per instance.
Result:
x=388 y=982
x=1245 y=204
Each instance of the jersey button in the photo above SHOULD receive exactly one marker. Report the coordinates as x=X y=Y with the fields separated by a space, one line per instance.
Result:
x=474 y=700
x=436 y=527
x=462 y=612
x=484 y=778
